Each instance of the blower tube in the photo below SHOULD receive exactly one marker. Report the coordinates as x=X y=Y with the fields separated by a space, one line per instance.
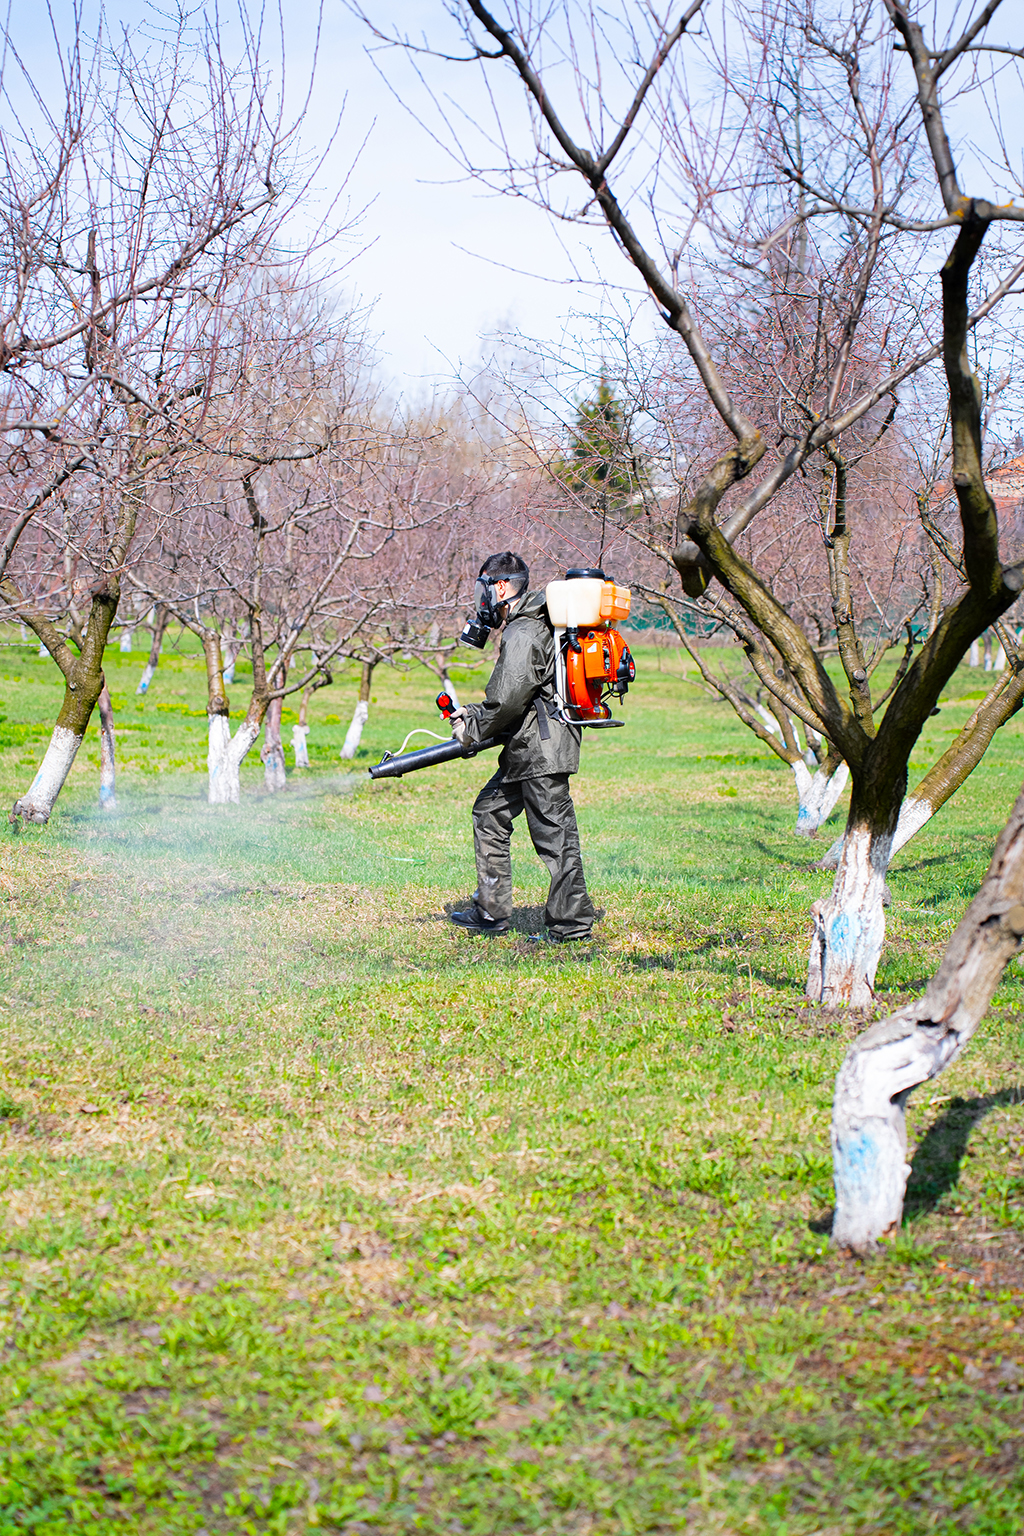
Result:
x=391 y=767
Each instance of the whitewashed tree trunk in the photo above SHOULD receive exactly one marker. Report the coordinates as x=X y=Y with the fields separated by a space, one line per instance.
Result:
x=274 y=773
x=885 y=1065
x=299 y=734
x=975 y=654
x=159 y=618
x=450 y=690
x=914 y=813
x=37 y=803
x=361 y=713
x=354 y=734
x=769 y=719
x=817 y=796
x=849 y=926
x=126 y=642
x=108 y=752
x=225 y=757
x=222 y=776
x=999 y=665
x=42 y=649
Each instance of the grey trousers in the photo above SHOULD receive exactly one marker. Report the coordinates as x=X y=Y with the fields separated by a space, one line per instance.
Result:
x=551 y=820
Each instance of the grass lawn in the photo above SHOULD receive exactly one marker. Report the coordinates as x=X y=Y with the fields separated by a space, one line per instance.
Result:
x=320 y=1214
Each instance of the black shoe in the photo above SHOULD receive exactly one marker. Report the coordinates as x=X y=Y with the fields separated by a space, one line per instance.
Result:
x=477 y=921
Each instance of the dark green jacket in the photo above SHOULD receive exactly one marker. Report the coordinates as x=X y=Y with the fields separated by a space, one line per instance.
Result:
x=524 y=672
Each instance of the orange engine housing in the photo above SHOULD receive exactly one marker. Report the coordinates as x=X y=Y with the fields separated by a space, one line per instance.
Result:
x=592 y=671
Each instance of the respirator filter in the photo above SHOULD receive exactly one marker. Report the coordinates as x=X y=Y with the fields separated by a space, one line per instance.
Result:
x=490 y=613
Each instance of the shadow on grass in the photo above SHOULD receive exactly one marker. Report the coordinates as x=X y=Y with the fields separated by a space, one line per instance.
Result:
x=936 y=1166
x=794 y=859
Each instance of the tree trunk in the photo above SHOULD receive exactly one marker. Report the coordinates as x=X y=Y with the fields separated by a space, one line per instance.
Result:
x=231 y=649
x=299 y=734
x=361 y=714
x=222 y=785
x=160 y=621
x=274 y=776
x=975 y=654
x=83 y=684
x=849 y=926
x=885 y=1065
x=126 y=642
x=956 y=764
x=108 y=754
x=817 y=795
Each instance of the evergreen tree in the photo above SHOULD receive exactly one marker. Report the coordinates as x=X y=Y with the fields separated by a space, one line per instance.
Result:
x=600 y=464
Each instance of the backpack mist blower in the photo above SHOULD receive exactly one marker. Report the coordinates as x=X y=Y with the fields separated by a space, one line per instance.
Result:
x=592 y=661
x=592 y=665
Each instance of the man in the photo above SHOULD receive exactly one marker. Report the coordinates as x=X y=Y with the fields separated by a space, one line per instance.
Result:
x=539 y=754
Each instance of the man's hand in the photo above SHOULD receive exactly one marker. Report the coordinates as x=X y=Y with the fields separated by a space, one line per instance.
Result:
x=457 y=720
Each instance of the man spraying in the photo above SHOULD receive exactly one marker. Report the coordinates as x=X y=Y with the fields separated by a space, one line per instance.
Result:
x=541 y=750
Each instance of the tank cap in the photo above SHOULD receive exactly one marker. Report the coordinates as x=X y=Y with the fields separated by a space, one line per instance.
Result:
x=585 y=572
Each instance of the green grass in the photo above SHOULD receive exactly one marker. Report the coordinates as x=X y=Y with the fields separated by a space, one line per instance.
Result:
x=323 y=1215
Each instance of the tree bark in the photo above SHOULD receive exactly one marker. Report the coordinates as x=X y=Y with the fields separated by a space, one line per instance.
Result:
x=83 y=673
x=161 y=617
x=299 y=748
x=849 y=926
x=915 y=1044
x=361 y=713
x=108 y=754
x=817 y=794
x=274 y=776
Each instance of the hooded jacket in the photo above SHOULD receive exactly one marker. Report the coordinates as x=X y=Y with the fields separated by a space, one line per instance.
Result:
x=522 y=682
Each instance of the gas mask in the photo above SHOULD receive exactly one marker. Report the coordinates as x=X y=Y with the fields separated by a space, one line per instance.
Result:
x=490 y=611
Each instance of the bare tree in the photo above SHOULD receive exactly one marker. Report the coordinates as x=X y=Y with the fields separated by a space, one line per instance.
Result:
x=127 y=214
x=850 y=180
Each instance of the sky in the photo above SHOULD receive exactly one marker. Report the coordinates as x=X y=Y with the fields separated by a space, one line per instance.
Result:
x=445 y=264
x=442 y=264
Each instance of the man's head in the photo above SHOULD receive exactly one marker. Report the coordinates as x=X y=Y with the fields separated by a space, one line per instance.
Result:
x=503 y=579
x=508 y=574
